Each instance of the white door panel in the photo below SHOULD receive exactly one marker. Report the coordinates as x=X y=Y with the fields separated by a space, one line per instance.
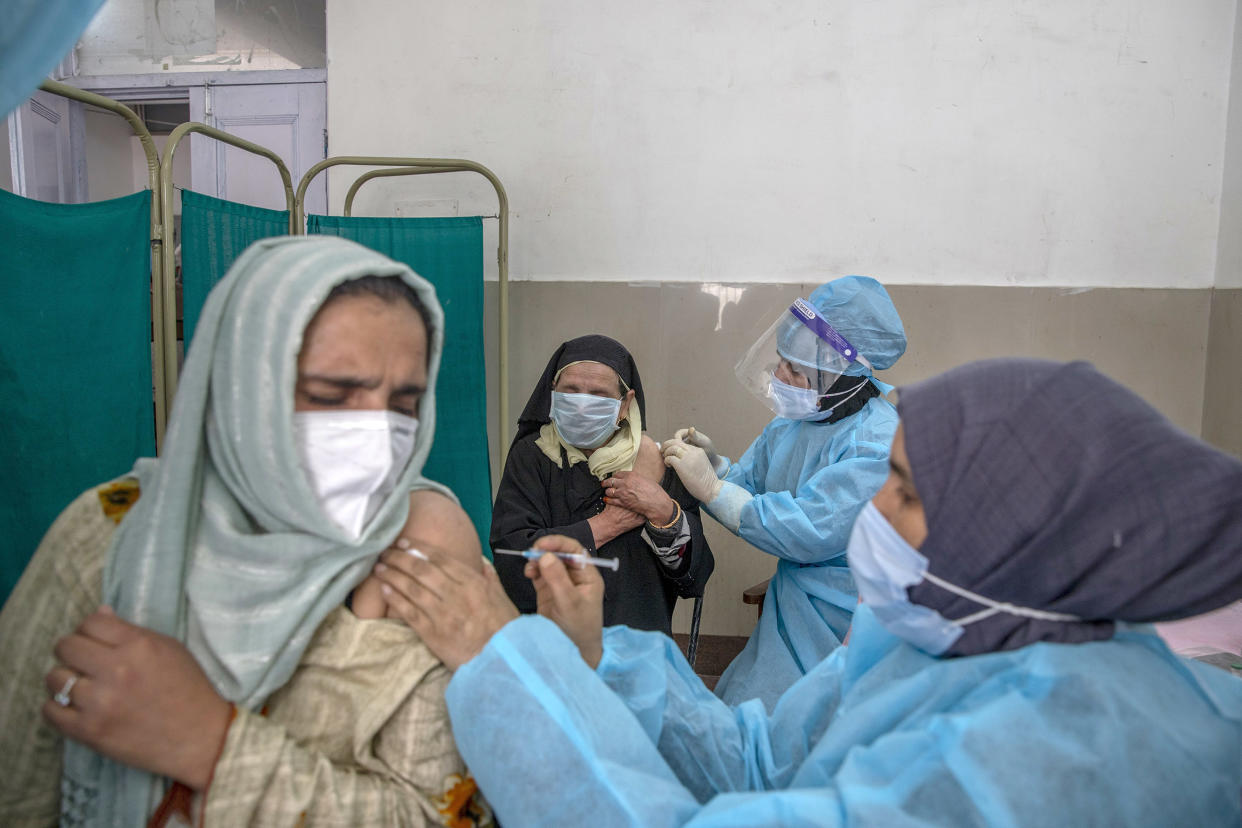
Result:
x=289 y=119
x=46 y=141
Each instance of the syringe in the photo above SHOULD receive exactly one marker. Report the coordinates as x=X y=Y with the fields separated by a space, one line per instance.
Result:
x=536 y=554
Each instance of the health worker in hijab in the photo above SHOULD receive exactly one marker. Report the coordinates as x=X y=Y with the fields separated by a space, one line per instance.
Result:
x=581 y=466
x=1001 y=669
x=797 y=489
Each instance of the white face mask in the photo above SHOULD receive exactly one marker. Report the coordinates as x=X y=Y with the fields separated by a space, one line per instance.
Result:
x=353 y=459
x=791 y=402
x=795 y=403
x=585 y=420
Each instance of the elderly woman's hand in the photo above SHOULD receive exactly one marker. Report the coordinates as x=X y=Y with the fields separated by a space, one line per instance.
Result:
x=638 y=493
x=138 y=697
x=572 y=596
x=454 y=608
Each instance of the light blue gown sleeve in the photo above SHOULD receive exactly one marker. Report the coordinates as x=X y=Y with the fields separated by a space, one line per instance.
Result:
x=751 y=466
x=1047 y=735
x=550 y=745
x=812 y=522
x=712 y=747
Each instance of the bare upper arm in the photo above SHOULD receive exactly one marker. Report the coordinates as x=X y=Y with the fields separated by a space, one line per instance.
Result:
x=438 y=521
x=649 y=462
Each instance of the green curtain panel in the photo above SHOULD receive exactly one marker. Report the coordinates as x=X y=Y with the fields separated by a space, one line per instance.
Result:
x=214 y=232
x=448 y=252
x=75 y=358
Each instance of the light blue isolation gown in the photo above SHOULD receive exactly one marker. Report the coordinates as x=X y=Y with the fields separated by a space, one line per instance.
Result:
x=1117 y=732
x=809 y=480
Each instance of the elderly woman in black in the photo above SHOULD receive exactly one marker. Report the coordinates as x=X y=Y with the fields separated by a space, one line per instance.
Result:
x=581 y=466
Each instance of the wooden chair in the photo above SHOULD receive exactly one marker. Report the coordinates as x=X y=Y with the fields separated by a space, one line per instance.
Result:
x=755 y=595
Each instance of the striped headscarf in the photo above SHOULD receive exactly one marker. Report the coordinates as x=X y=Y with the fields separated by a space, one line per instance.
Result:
x=228 y=549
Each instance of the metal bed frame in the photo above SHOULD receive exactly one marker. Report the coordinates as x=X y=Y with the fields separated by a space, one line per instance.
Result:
x=163 y=254
x=162 y=398
x=431 y=166
x=168 y=270
x=164 y=369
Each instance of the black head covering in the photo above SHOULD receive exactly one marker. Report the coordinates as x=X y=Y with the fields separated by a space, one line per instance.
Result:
x=1050 y=486
x=593 y=347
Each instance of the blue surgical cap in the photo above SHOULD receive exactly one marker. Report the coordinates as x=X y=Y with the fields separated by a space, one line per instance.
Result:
x=860 y=309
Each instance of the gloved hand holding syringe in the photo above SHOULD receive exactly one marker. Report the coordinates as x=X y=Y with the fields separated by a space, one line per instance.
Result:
x=582 y=559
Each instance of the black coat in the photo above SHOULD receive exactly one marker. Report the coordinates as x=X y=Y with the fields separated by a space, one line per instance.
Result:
x=537 y=498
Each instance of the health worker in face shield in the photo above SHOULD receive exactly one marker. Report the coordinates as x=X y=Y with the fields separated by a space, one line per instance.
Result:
x=796 y=491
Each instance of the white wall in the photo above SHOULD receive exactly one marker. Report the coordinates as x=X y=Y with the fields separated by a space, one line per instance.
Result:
x=109 y=168
x=116 y=164
x=151 y=36
x=1229 y=249
x=1011 y=142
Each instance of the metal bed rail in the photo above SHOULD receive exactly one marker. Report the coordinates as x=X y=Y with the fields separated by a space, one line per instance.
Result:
x=168 y=271
x=426 y=166
x=158 y=351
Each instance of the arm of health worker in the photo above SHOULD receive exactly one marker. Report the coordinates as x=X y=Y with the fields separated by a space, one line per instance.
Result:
x=813 y=523
x=522 y=514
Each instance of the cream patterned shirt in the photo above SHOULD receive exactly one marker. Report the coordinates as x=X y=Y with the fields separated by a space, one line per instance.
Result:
x=360 y=734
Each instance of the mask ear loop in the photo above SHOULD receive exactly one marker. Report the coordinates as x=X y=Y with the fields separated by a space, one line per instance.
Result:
x=996 y=606
x=850 y=393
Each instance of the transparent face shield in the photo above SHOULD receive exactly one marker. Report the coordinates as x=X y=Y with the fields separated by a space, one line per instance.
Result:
x=797 y=359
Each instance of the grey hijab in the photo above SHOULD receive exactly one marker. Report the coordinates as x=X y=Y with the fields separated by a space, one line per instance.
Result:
x=1051 y=486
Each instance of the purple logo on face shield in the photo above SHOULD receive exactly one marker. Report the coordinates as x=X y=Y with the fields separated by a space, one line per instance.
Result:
x=806 y=314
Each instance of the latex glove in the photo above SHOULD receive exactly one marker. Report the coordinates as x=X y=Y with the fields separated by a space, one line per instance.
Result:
x=694 y=468
x=693 y=437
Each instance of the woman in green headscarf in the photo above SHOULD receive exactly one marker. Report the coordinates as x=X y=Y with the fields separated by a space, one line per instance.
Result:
x=224 y=676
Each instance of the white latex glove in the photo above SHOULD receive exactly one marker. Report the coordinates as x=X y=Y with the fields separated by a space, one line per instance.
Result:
x=693 y=437
x=694 y=468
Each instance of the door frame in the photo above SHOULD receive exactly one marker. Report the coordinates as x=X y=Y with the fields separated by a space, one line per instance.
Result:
x=158 y=85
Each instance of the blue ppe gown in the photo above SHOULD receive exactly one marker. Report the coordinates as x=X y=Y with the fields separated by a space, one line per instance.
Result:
x=809 y=480
x=1117 y=732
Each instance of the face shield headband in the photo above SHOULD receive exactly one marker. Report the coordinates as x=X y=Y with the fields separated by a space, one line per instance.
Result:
x=819 y=326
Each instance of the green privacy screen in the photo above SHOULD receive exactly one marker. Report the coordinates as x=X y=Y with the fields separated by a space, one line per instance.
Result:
x=213 y=234
x=75 y=358
x=448 y=252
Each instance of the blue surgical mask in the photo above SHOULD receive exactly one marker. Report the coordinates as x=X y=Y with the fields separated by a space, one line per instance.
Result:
x=585 y=421
x=885 y=566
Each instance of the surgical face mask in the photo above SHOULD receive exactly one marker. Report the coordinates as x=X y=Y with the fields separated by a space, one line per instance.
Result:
x=885 y=566
x=585 y=420
x=792 y=402
x=353 y=460
x=795 y=403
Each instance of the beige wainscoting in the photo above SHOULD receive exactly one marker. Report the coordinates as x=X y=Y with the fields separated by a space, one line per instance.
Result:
x=1222 y=406
x=686 y=337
